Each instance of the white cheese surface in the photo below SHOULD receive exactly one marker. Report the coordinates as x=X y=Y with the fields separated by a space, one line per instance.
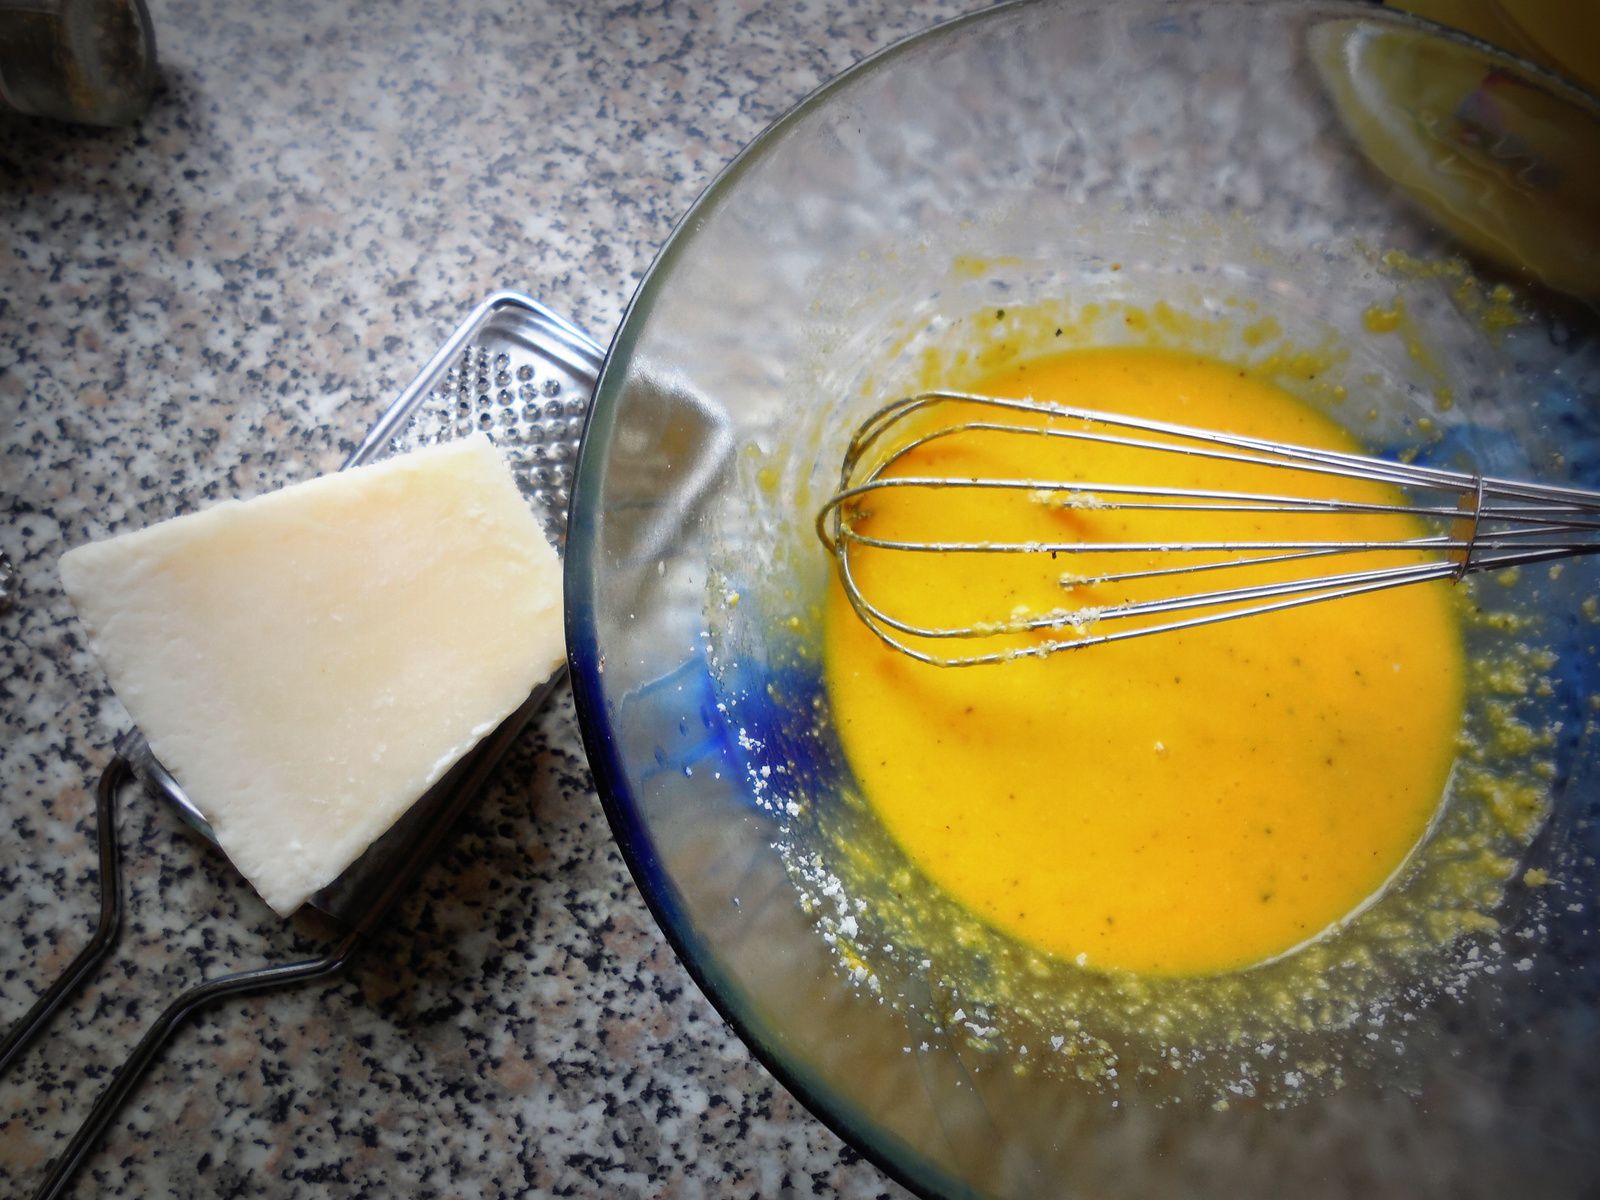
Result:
x=309 y=662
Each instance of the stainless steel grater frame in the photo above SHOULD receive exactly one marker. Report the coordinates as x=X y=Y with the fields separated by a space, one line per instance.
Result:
x=525 y=376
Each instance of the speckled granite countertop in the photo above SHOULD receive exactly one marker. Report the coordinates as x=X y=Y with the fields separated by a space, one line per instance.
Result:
x=219 y=301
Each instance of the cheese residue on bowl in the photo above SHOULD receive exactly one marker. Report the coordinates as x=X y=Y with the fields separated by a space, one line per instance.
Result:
x=309 y=662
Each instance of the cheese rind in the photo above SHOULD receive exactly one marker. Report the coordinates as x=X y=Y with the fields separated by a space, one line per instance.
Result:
x=309 y=662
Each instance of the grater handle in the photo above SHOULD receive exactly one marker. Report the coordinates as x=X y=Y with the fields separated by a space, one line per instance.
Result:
x=127 y=1078
x=34 y=1021
x=118 y=772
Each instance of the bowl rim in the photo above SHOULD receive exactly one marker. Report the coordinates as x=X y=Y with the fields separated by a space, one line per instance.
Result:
x=839 y=1113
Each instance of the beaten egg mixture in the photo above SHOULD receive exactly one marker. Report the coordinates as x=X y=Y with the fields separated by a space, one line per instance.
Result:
x=1184 y=804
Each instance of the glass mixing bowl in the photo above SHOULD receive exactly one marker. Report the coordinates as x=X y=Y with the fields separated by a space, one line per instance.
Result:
x=1414 y=215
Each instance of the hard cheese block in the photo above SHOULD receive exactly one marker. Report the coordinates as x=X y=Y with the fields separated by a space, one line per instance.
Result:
x=309 y=662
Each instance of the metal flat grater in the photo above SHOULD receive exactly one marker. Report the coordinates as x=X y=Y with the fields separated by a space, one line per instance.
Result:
x=524 y=375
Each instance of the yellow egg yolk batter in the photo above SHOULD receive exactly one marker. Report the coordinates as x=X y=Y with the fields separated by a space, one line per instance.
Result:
x=1188 y=803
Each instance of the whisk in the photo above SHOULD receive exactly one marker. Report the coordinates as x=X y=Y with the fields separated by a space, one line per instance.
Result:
x=1451 y=524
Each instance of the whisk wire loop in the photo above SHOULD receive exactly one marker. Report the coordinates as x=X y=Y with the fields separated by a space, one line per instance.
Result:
x=1480 y=522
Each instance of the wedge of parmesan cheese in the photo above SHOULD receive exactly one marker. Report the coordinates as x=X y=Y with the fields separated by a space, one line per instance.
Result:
x=309 y=662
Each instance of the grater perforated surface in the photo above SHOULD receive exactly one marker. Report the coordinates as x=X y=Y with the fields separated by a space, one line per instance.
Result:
x=521 y=374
